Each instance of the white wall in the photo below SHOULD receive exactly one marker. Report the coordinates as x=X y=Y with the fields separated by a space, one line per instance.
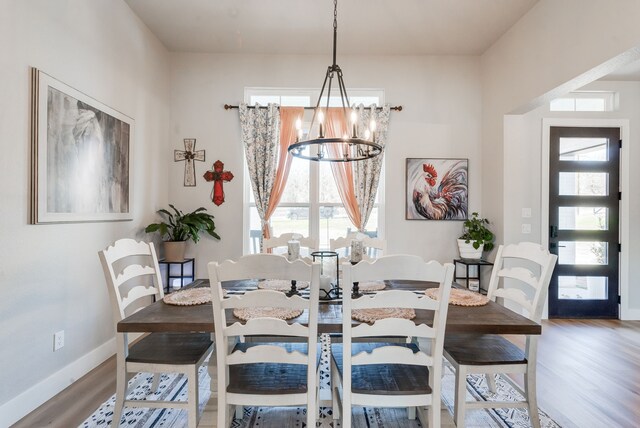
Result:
x=523 y=148
x=441 y=118
x=50 y=276
x=556 y=47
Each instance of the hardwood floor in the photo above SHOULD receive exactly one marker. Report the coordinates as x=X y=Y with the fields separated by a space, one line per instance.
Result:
x=588 y=376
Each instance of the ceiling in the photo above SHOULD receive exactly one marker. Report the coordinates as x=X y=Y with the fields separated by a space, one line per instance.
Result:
x=374 y=27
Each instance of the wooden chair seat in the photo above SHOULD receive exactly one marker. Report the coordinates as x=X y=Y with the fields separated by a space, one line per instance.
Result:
x=269 y=378
x=384 y=379
x=486 y=349
x=170 y=348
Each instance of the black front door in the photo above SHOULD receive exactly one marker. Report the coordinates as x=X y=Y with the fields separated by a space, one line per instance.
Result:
x=584 y=199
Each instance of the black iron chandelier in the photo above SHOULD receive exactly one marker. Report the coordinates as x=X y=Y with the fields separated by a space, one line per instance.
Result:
x=348 y=148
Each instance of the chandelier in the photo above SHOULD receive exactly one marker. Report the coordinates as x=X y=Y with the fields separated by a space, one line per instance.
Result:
x=351 y=146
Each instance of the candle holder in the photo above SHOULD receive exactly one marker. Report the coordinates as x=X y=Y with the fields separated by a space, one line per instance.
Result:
x=293 y=253
x=333 y=292
x=355 y=290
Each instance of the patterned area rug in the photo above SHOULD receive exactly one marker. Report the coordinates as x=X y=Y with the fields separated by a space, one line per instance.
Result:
x=173 y=387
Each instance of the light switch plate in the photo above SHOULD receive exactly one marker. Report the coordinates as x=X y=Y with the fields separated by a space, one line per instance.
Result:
x=526 y=228
x=526 y=213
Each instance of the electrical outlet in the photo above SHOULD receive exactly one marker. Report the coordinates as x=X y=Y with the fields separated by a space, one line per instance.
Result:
x=526 y=228
x=58 y=340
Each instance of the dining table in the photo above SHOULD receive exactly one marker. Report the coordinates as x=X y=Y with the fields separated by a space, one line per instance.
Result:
x=491 y=318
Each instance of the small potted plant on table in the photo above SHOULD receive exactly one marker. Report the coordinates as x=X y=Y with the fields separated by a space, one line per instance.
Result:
x=476 y=237
x=179 y=228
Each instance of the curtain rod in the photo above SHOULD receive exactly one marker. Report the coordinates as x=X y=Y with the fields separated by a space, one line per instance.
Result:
x=229 y=107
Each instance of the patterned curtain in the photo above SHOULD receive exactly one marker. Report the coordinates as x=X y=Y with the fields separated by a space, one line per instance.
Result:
x=366 y=174
x=260 y=128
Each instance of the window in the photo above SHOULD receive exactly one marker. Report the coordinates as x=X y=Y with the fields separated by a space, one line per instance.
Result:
x=584 y=101
x=310 y=203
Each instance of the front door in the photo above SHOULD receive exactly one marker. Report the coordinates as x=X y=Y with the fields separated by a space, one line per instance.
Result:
x=584 y=199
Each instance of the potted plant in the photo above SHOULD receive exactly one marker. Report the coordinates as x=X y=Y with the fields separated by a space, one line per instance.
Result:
x=179 y=228
x=475 y=237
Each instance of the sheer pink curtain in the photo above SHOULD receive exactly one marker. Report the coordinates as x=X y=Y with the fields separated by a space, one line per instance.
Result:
x=288 y=116
x=342 y=171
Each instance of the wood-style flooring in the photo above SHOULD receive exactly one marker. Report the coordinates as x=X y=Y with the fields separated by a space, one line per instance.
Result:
x=588 y=376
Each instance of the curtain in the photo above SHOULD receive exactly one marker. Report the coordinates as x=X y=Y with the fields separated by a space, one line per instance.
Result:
x=260 y=131
x=288 y=116
x=342 y=171
x=367 y=172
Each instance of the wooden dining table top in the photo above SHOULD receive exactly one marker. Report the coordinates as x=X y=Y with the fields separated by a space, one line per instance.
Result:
x=491 y=318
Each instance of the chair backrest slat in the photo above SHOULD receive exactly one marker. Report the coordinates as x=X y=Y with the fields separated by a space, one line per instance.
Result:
x=267 y=354
x=396 y=299
x=390 y=327
x=134 y=271
x=283 y=240
x=527 y=253
x=256 y=298
x=267 y=326
x=258 y=266
x=392 y=355
x=136 y=293
x=343 y=244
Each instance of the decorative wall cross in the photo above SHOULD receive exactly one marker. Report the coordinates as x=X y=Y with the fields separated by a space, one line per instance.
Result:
x=189 y=155
x=218 y=175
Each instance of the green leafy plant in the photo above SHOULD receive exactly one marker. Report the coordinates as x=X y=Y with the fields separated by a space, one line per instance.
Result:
x=474 y=229
x=182 y=227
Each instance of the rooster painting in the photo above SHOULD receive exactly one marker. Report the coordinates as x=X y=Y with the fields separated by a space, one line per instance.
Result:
x=437 y=189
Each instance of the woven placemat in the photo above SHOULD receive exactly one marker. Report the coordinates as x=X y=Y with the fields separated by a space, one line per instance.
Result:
x=246 y=314
x=460 y=297
x=192 y=296
x=371 y=286
x=281 y=284
x=375 y=314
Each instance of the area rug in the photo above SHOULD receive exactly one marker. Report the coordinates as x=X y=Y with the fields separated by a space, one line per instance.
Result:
x=172 y=386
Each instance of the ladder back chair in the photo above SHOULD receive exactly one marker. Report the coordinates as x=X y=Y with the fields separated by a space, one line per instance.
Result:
x=281 y=241
x=251 y=374
x=493 y=354
x=131 y=286
x=374 y=247
x=392 y=374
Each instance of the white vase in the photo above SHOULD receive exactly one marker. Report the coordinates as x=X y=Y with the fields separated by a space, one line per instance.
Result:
x=467 y=251
x=174 y=250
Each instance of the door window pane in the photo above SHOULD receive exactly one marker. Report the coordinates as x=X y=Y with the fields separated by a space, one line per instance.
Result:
x=582 y=253
x=583 y=149
x=583 y=183
x=582 y=287
x=583 y=218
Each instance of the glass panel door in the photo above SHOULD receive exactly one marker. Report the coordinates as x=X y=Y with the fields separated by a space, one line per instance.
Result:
x=583 y=219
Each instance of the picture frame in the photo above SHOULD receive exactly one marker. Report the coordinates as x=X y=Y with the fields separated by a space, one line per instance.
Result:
x=80 y=156
x=436 y=189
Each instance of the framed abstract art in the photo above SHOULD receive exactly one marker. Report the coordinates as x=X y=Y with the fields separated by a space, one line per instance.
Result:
x=80 y=156
x=436 y=189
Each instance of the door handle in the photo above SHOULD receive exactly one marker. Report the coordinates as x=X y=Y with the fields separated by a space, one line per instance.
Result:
x=553 y=231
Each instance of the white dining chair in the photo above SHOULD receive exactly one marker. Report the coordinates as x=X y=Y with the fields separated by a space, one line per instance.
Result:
x=133 y=280
x=380 y=374
x=529 y=265
x=266 y=374
x=374 y=247
x=281 y=241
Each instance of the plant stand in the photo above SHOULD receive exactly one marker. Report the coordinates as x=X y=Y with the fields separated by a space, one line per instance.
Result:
x=470 y=262
x=190 y=262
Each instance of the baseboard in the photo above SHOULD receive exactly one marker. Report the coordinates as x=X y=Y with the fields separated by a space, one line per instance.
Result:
x=17 y=408
x=630 y=314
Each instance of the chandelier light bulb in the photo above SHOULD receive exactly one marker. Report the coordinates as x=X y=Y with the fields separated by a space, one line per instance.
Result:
x=298 y=124
x=367 y=134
